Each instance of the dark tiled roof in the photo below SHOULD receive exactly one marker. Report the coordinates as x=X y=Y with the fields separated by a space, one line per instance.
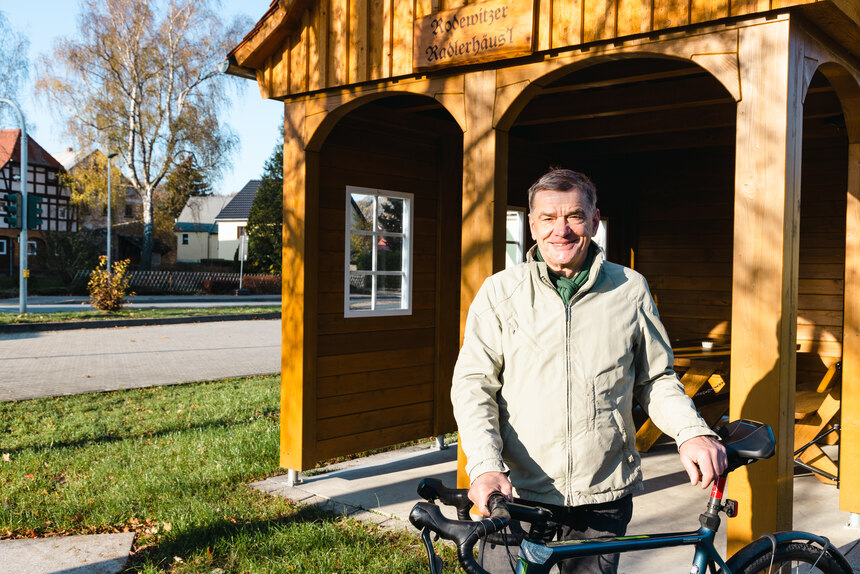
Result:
x=10 y=149
x=190 y=226
x=240 y=206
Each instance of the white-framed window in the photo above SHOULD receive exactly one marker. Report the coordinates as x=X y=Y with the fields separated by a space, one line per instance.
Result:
x=378 y=253
x=515 y=236
x=601 y=236
x=184 y=239
x=31 y=248
x=2 y=246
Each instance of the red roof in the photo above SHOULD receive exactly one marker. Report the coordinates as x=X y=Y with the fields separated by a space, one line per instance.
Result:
x=10 y=149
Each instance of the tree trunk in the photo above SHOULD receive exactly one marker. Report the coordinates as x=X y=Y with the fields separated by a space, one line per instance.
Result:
x=148 y=228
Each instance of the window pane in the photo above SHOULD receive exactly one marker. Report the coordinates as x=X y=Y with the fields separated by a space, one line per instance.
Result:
x=389 y=254
x=389 y=292
x=362 y=211
x=360 y=288
x=360 y=254
x=390 y=216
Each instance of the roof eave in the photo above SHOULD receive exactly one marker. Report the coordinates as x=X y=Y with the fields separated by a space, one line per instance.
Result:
x=268 y=34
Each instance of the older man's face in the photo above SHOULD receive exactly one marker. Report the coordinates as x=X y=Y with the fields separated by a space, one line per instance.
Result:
x=563 y=224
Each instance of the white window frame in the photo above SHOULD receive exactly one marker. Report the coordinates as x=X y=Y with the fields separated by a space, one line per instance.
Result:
x=406 y=267
x=32 y=249
x=602 y=235
x=2 y=246
x=518 y=241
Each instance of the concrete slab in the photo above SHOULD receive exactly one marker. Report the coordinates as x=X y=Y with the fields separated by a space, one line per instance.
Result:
x=382 y=487
x=95 y=554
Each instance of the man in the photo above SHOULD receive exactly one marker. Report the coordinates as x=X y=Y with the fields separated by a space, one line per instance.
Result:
x=554 y=351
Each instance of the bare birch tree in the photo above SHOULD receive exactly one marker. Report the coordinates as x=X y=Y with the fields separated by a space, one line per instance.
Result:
x=140 y=79
x=14 y=68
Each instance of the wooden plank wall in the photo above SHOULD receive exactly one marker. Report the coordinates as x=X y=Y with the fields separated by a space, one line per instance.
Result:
x=378 y=376
x=821 y=286
x=684 y=244
x=342 y=42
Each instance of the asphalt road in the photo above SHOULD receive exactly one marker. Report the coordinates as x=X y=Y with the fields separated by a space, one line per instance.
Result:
x=40 y=364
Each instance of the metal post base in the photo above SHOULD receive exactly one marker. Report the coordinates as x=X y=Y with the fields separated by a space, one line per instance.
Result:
x=853 y=521
x=293 y=477
x=440 y=442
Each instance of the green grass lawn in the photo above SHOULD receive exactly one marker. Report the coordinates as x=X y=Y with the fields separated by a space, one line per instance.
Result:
x=173 y=465
x=136 y=313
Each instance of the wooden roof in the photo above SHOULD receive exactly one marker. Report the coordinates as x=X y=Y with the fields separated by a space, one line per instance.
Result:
x=301 y=46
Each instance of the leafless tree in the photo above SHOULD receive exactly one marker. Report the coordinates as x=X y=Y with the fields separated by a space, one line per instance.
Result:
x=140 y=79
x=14 y=68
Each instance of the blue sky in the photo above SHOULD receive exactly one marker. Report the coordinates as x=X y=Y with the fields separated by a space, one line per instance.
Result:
x=254 y=120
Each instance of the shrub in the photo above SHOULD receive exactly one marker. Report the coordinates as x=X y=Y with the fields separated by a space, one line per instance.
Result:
x=263 y=284
x=108 y=289
x=220 y=286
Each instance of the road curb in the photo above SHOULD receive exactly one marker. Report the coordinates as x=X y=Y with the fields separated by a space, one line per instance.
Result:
x=111 y=323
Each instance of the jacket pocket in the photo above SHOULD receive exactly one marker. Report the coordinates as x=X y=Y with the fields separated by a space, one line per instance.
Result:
x=629 y=457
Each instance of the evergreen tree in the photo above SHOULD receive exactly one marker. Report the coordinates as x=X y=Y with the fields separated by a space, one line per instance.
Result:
x=266 y=217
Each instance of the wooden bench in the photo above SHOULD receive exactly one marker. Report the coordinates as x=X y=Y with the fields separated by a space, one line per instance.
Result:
x=816 y=412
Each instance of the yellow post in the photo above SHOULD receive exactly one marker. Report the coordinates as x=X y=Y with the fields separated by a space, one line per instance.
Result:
x=299 y=295
x=765 y=268
x=849 y=450
x=482 y=200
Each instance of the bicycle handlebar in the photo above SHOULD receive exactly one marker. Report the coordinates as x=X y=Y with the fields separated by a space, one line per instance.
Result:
x=464 y=534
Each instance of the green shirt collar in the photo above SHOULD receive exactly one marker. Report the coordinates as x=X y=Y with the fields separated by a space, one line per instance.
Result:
x=567 y=288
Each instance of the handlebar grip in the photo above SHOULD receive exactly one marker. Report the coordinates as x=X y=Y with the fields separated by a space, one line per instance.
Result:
x=431 y=489
x=464 y=534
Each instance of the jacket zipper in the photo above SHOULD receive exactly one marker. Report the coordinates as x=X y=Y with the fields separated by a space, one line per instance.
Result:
x=569 y=376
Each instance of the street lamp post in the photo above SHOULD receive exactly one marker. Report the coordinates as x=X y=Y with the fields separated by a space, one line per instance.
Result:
x=109 y=157
x=24 y=273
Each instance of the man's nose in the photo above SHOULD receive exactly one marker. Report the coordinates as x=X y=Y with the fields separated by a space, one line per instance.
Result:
x=561 y=226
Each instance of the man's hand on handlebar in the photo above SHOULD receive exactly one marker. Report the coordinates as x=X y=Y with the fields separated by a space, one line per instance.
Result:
x=704 y=458
x=485 y=485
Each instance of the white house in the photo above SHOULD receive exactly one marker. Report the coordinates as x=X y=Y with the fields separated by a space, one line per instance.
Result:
x=233 y=219
x=196 y=230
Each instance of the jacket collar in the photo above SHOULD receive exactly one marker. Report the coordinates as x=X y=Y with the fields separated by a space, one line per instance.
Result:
x=596 y=265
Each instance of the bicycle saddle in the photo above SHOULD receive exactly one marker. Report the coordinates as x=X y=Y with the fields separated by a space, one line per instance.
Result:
x=746 y=441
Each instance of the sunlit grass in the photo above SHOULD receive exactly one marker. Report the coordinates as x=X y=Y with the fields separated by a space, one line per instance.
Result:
x=173 y=465
x=133 y=313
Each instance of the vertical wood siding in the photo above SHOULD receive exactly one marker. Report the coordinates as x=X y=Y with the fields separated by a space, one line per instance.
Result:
x=343 y=42
x=378 y=376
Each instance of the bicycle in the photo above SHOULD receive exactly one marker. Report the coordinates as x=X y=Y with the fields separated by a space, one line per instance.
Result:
x=745 y=442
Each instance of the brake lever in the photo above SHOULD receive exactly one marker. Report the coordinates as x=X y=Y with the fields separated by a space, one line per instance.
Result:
x=435 y=561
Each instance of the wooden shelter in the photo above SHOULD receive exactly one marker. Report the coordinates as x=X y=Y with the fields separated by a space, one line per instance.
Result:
x=724 y=138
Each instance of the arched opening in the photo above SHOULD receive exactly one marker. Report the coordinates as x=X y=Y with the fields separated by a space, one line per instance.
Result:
x=657 y=137
x=821 y=271
x=387 y=178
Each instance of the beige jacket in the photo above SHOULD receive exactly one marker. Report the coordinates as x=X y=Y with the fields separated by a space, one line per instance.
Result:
x=544 y=391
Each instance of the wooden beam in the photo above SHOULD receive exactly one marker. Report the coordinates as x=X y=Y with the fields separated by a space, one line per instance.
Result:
x=299 y=296
x=849 y=492
x=480 y=224
x=765 y=271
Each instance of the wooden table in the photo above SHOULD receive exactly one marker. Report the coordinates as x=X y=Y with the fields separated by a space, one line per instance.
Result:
x=699 y=366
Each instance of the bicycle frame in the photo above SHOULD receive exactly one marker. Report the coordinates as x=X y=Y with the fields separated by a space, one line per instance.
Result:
x=538 y=558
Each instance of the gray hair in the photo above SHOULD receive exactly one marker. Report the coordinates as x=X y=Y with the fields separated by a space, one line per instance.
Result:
x=565 y=180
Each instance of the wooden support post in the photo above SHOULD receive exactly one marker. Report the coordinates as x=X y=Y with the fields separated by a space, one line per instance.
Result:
x=849 y=450
x=299 y=295
x=765 y=268
x=483 y=198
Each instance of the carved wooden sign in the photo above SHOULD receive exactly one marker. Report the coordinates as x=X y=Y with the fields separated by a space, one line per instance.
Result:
x=474 y=33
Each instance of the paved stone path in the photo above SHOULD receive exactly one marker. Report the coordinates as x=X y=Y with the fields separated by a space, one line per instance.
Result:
x=70 y=362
